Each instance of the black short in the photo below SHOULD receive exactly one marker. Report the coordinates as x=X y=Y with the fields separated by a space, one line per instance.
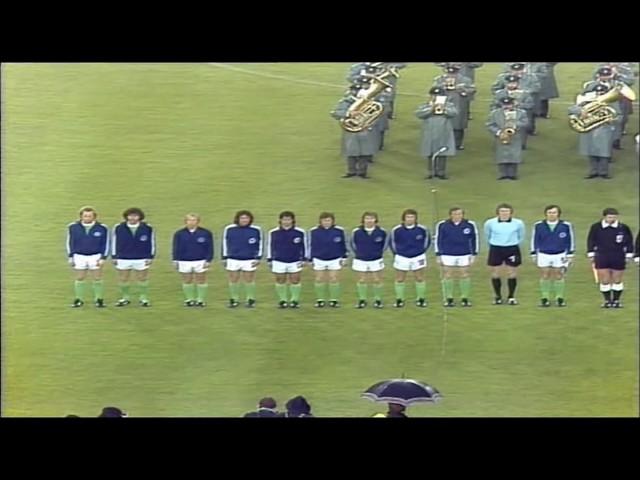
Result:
x=610 y=262
x=508 y=255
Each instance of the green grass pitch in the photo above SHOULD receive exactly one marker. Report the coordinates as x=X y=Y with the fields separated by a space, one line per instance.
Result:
x=213 y=139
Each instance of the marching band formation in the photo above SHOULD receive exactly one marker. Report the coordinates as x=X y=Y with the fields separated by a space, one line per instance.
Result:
x=521 y=94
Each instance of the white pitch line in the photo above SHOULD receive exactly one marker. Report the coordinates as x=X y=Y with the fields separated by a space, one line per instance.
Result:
x=288 y=78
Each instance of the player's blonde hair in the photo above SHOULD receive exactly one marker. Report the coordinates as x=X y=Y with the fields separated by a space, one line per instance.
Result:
x=192 y=215
x=88 y=208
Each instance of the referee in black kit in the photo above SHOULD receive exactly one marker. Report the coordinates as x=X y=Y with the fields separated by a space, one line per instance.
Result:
x=609 y=246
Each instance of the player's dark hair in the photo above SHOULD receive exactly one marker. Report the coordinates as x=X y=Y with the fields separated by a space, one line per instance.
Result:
x=504 y=205
x=409 y=211
x=609 y=211
x=454 y=209
x=324 y=215
x=551 y=207
x=133 y=211
x=369 y=214
x=289 y=214
x=240 y=213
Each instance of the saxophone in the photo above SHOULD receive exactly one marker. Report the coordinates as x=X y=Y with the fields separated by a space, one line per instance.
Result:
x=365 y=110
x=509 y=130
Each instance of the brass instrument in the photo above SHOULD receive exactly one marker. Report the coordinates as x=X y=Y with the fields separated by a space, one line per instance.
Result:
x=365 y=110
x=450 y=83
x=509 y=130
x=438 y=105
x=597 y=112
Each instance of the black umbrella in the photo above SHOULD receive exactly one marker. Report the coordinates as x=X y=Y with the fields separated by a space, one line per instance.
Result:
x=402 y=391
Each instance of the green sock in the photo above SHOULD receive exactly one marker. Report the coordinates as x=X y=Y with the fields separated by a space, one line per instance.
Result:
x=78 y=287
x=334 y=291
x=143 y=290
x=98 y=289
x=124 y=290
x=399 y=288
x=447 y=288
x=465 y=287
x=250 y=290
x=234 y=291
x=281 y=290
x=559 y=288
x=320 y=290
x=202 y=288
x=377 y=292
x=362 y=291
x=421 y=289
x=189 y=291
x=544 y=288
x=295 y=290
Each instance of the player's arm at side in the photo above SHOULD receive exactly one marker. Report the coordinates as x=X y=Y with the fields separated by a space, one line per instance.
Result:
x=475 y=240
x=175 y=245
x=570 y=241
x=427 y=239
x=487 y=230
x=114 y=245
x=105 y=239
x=591 y=240
x=533 y=250
x=628 y=242
x=152 y=250
x=70 y=244
x=210 y=249
x=521 y=232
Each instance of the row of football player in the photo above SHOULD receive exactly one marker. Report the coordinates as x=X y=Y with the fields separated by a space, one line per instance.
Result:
x=289 y=247
x=598 y=144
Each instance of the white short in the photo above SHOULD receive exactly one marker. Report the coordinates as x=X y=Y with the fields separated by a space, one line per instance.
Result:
x=335 y=264
x=240 y=265
x=196 y=266
x=455 y=260
x=282 y=267
x=131 y=265
x=558 y=260
x=410 y=264
x=86 y=262
x=364 y=266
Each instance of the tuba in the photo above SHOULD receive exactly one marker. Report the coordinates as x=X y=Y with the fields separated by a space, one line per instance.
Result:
x=365 y=110
x=597 y=112
x=509 y=129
